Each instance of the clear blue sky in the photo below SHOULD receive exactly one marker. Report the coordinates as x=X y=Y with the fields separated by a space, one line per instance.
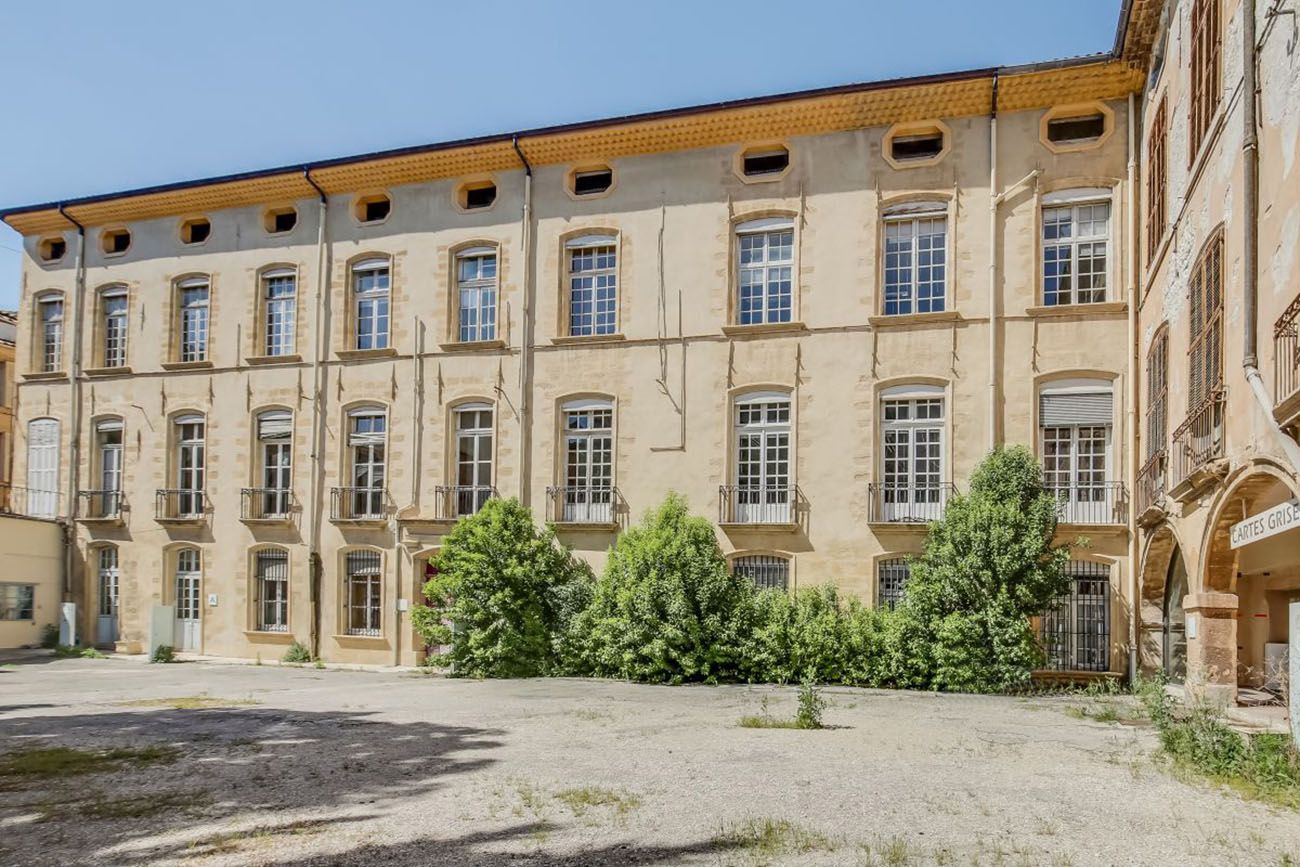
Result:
x=107 y=96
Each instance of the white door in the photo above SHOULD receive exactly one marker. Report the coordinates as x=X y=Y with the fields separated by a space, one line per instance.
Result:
x=106 y=623
x=763 y=494
x=43 y=468
x=912 y=433
x=589 y=463
x=188 y=634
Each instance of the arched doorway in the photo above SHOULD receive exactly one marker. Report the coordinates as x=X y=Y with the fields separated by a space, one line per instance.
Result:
x=1174 y=620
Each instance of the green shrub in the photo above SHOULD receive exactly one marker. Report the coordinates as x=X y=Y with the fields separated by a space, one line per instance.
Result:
x=163 y=653
x=666 y=609
x=509 y=589
x=297 y=652
x=811 y=706
x=49 y=636
x=800 y=636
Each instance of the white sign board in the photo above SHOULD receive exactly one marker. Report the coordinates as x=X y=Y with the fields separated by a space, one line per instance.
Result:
x=1279 y=519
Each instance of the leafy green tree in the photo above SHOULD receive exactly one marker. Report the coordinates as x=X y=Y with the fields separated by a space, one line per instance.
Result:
x=504 y=594
x=988 y=566
x=804 y=636
x=666 y=609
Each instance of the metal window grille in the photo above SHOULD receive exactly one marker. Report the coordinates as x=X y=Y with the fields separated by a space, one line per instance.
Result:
x=1075 y=632
x=891 y=581
x=593 y=291
x=272 y=575
x=767 y=572
x=1076 y=239
x=364 y=592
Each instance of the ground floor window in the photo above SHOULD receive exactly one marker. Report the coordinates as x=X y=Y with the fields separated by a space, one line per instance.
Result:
x=109 y=579
x=766 y=571
x=891 y=581
x=1076 y=629
x=17 y=601
x=271 y=575
x=364 y=591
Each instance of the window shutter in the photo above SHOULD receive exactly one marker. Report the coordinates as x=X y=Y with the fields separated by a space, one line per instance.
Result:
x=275 y=426
x=43 y=468
x=1064 y=410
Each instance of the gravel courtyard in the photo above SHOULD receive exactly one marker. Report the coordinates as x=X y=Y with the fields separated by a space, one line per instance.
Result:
x=299 y=766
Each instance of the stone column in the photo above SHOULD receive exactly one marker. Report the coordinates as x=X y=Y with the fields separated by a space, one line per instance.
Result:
x=1211 y=647
x=1294 y=652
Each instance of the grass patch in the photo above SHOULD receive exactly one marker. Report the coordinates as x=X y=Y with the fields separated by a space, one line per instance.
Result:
x=889 y=852
x=765 y=836
x=190 y=702
x=51 y=762
x=763 y=721
x=142 y=806
x=67 y=651
x=579 y=801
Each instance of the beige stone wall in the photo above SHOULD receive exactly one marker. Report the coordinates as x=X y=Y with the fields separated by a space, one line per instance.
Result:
x=31 y=552
x=671 y=374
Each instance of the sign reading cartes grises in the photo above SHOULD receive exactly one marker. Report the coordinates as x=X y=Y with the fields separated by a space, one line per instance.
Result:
x=1279 y=519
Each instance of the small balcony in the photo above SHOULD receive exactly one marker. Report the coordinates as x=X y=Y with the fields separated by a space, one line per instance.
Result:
x=1286 y=366
x=266 y=505
x=180 y=506
x=1152 y=483
x=914 y=505
x=360 y=505
x=100 y=507
x=589 y=506
x=1099 y=504
x=772 y=506
x=1198 y=448
x=30 y=502
x=453 y=502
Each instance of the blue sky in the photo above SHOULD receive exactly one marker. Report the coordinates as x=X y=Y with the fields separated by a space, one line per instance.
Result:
x=108 y=96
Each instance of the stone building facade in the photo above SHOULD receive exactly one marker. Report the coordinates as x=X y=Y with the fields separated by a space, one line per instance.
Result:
x=810 y=314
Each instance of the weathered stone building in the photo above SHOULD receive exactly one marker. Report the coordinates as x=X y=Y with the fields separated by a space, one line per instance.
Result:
x=812 y=314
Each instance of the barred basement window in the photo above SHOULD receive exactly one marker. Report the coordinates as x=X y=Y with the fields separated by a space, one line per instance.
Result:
x=363 y=593
x=766 y=571
x=891 y=581
x=271 y=576
x=1075 y=632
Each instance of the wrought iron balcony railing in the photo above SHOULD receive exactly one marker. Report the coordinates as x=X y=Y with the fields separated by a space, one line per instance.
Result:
x=1199 y=439
x=590 y=504
x=757 y=504
x=265 y=504
x=102 y=505
x=359 y=504
x=1286 y=354
x=1096 y=503
x=901 y=504
x=180 y=504
x=30 y=502
x=461 y=501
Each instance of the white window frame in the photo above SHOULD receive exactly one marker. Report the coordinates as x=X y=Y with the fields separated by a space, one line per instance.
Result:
x=763 y=441
x=1085 y=492
x=115 y=325
x=587 y=475
x=754 y=242
x=371 y=572
x=905 y=265
x=279 y=312
x=1079 y=205
x=591 y=266
x=477 y=295
x=372 y=302
x=275 y=461
x=191 y=432
x=188 y=584
x=475 y=476
x=193 y=305
x=271 y=573
x=110 y=578
x=50 y=310
x=368 y=462
x=108 y=457
x=43 y=446
x=908 y=491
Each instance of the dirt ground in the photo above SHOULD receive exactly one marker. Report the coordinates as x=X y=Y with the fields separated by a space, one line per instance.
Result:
x=300 y=766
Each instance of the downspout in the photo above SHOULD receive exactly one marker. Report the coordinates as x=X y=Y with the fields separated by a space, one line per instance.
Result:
x=1131 y=398
x=74 y=410
x=317 y=420
x=1250 y=249
x=526 y=341
x=993 y=266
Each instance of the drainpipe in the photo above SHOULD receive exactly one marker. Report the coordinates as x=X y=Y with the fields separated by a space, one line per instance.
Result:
x=317 y=418
x=526 y=342
x=1131 y=398
x=74 y=409
x=1250 y=250
x=993 y=266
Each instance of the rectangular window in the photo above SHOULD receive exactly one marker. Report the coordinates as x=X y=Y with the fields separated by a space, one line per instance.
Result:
x=891 y=581
x=272 y=590
x=115 y=328
x=477 y=286
x=1076 y=240
x=280 y=294
x=51 y=311
x=1158 y=394
x=109 y=581
x=1206 y=50
x=189 y=577
x=588 y=465
x=1156 y=179
x=593 y=290
x=17 y=601
x=190 y=467
x=1076 y=431
x=364 y=592
x=912 y=474
x=368 y=441
x=763 y=491
x=194 y=321
x=765 y=291
x=915 y=264
x=473 y=459
x=43 y=468
x=764 y=571
x=1076 y=630
x=1206 y=321
x=108 y=442
x=275 y=438
x=371 y=291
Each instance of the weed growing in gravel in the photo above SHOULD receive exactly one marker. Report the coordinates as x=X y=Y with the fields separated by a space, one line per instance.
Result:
x=579 y=801
x=767 y=836
x=47 y=762
x=809 y=716
x=67 y=651
x=190 y=702
x=889 y=852
x=163 y=653
x=296 y=652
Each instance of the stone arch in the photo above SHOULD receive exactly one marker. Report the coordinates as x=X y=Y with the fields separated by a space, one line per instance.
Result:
x=1163 y=555
x=1217 y=572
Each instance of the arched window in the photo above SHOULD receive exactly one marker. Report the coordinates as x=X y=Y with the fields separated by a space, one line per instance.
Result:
x=764 y=571
x=370 y=297
x=113 y=326
x=275 y=463
x=367 y=454
x=187 y=500
x=765 y=271
x=476 y=294
x=49 y=339
x=106 y=502
x=279 y=311
x=587 y=495
x=1075 y=423
x=913 y=479
x=1076 y=246
x=43 y=468
x=763 y=493
x=271 y=589
x=192 y=296
x=593 y=285
x=474 y=452
x=916 y=258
